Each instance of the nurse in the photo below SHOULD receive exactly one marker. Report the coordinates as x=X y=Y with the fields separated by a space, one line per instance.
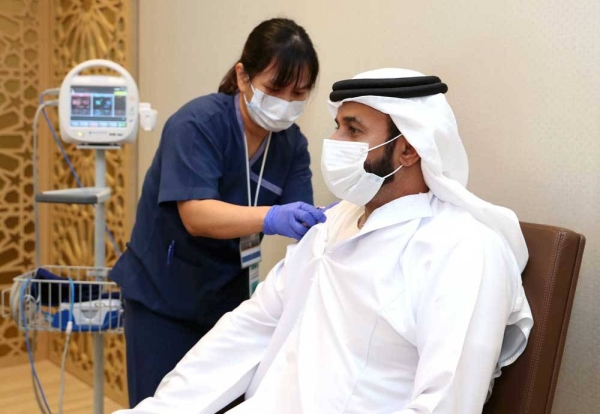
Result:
x=229 y=166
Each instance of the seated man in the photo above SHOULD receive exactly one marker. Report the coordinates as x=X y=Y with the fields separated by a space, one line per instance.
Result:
x=407 y=300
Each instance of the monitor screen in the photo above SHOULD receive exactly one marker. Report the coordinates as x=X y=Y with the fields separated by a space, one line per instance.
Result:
x=99 y=106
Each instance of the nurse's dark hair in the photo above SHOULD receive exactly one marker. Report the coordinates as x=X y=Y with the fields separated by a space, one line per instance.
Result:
x=283 y=42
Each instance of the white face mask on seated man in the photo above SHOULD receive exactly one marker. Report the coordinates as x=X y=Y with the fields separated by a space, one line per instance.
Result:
x=419 y=326
x=343 y=169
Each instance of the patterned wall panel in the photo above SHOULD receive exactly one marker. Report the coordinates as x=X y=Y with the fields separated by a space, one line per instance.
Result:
x=19 y=89
x=82 y=30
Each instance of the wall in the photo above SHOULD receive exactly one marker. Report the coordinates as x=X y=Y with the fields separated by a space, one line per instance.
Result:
x=523 y=83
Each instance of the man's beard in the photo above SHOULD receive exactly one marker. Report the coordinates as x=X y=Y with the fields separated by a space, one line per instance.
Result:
x=384 y=165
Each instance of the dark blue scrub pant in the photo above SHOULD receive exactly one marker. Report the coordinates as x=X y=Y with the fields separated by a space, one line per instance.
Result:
x=155 y=344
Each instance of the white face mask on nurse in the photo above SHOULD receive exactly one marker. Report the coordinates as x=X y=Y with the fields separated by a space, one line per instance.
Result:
x=270 y=106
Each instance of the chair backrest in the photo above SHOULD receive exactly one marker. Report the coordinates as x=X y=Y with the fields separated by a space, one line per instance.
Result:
x=549 y=280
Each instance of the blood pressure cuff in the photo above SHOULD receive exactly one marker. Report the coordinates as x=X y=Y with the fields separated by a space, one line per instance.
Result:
x=51 y=294
x=412 y=87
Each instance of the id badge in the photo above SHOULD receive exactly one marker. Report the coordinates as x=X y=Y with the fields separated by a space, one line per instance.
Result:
x=250 y=257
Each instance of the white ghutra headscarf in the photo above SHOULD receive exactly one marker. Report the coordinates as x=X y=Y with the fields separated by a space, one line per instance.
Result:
x=428 y=124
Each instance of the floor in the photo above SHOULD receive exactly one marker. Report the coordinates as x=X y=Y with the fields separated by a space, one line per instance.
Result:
x=16 y=392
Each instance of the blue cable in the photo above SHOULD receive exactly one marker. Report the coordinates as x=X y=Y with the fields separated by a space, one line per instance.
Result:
x=29 y=352
x=72 y=168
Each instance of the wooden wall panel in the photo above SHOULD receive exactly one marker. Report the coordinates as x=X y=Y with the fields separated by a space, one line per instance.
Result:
x=21 y=28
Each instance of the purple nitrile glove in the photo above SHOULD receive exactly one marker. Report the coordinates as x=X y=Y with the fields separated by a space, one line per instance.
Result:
x=292 y=220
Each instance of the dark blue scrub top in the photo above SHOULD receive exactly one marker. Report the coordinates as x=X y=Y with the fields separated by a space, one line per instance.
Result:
x=201 y=156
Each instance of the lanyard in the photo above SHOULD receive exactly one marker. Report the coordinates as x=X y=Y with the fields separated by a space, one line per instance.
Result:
x=262 y=169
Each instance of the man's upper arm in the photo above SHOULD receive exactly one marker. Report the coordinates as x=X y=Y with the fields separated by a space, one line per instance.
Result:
x=461 y=316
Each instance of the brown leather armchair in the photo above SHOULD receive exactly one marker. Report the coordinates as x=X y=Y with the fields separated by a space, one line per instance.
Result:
x=549 y=280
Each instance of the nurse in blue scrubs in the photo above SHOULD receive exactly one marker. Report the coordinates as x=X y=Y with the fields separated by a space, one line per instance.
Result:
x=230 y=167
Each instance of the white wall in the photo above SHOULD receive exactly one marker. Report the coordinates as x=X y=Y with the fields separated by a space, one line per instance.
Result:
x=524 y=84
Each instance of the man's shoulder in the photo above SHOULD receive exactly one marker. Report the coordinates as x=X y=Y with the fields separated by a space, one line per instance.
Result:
x=451 y=225
x=342 y=213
